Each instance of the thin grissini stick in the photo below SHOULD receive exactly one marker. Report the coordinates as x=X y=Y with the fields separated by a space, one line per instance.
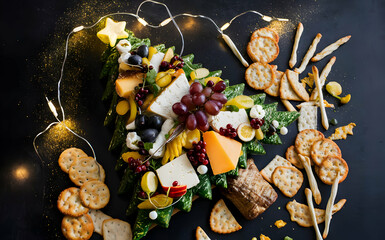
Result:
x=293 y=59
x=331 y=48
x=322 y=78
x=289 y=107
x=309 y=54
x=329 y=206
x=233 y=48
x=325 y=121
x=312 y=213
x=312 y=182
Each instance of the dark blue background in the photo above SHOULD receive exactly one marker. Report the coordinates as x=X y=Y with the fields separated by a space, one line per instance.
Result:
x=33 y=30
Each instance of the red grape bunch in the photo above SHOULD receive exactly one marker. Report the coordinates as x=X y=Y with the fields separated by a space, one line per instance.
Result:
x=197 y=155
x=229 y=131
x=137 y=166
x=141 y=95
x=176 y=63
x=194 y=106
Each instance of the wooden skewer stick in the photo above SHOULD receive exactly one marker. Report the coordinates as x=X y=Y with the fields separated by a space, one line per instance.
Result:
x=325 y=121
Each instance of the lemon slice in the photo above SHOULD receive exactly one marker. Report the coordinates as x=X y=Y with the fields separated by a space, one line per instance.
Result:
x=241 y=101
x=192 y=136
x=149 y=182
x=246 y=132
x=334 y=88
x=159 y=201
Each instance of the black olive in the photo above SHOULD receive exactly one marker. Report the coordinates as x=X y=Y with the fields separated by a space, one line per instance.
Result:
x=156 y=122
x=272 y=130
x=142 y=51
x=134 y=60
x=149 y=135
x=141 y=122
x=333 y=122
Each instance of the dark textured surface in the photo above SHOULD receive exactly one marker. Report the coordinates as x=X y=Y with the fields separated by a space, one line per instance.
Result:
x=32 y=39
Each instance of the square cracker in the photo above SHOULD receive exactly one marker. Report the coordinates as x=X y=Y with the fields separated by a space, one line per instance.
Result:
x=286 y=91
x=98 y=218
x=307 y=118
x=115 y=229
x=277 y=161
x=287 y=179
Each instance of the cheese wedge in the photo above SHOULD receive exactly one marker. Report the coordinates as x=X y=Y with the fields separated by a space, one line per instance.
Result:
x=173 y=93
x=223 y=152
x=126 y=83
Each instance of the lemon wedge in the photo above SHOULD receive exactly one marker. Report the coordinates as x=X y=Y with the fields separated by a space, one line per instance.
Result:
x=159 y=201
x=241 y=101
x=149 y=182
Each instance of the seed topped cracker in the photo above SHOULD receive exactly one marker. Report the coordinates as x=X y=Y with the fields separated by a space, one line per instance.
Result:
x=69 y=202
x=329 y=168
x=200 y=234
x=265 y=32
x=222 y=220
x=260 y=75
x=277 y=161
x=85 y=169
x=305 y=139
x=95 y=194
x=263 y=49
x=287 y=179
x=322 y=149
x=77 y=228
x=69 y=156
x=115 y=229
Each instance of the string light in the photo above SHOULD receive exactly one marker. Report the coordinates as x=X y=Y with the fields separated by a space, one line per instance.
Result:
x=141 y=20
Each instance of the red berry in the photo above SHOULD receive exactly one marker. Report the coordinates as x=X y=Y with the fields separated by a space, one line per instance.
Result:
x=175 y=183
x=205 y=162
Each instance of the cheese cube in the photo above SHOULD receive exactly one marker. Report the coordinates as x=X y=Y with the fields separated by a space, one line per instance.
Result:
x=227 y=117
x=180 y=170
x=126 y=83
x=173 y=93
x=223 y=152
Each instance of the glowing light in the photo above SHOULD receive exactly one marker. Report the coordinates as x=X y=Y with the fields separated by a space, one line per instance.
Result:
x=283 y=19
x=21 y=173
x=165 y=22
x=225 y=26
x=267 y=18
x=142 y=21
x=52 y=107
x=77 y=29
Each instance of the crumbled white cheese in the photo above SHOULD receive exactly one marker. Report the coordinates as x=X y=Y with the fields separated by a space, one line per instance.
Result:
x=257 y=112
x=123 y=46
x=132 y=140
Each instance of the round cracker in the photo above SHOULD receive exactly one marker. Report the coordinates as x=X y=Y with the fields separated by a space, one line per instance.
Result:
x=329 y=168
x=69 y=202
x=263 y=49
x=273 y=89
x=265 y=32
x=260 y=75
x=323 y=148
x=85 y=169
x=305 y=139
x=292 y=156
x=287 y=179
x=77 y=228
x=94 y=194
x=69 y=156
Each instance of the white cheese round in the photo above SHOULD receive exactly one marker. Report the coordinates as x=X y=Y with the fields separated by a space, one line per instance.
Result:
x=257 y=112
x=202 y=169
x=275 y=123
x=153 y=215
x=284 y=130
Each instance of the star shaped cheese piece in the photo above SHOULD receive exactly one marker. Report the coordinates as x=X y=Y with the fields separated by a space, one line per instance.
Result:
x=112 y=31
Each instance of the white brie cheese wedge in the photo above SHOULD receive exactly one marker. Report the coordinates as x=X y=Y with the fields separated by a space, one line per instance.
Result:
x=156 y=60
x=170 y=95
x=227 y=117
x=180 y=170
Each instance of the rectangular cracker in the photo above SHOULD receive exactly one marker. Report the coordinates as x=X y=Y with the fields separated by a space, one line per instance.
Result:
x=298 y=88
x=98 y=218
x=308 y=117
x=309 y=54
x=286 y=92
x=277 y=161
x=115 y=229
x=331 y=48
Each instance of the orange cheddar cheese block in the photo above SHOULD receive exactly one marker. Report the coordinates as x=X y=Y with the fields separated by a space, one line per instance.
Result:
x=223 y=152
x=126 y=83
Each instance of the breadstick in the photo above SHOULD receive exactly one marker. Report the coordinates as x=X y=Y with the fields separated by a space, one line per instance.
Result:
x=325 y=121
x=312 y=182
x=233 y=48
x=329 y=206
x=312 y=213
x=293 y=59
x=322 y=78
x=289 y=107
x=309 y=54
x=331 y=48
